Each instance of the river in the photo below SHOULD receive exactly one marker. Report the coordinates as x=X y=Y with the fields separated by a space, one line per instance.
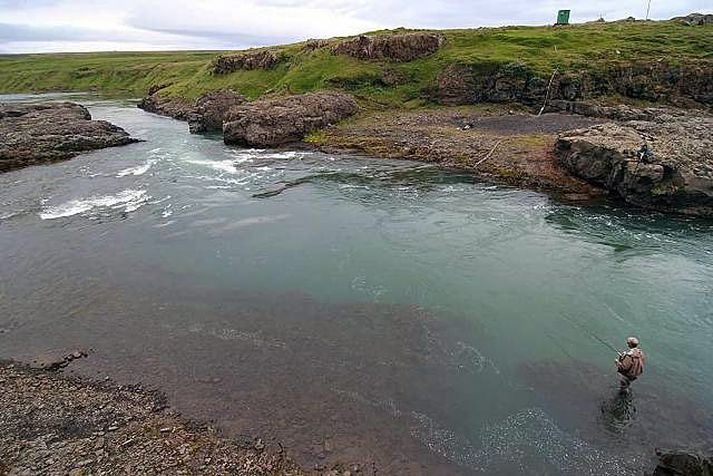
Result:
x=411 y=319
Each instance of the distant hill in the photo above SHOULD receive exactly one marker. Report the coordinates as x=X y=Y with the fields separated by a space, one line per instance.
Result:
x=638 y=59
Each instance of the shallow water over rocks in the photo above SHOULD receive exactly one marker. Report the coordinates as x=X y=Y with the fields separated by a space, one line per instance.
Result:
x=379 y=312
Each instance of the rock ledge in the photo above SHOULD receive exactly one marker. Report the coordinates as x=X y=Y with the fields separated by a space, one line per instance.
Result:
x=673 y=174
x=41 y=133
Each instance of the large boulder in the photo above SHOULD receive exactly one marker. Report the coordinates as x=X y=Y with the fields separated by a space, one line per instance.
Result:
x=258 y=59
x=210 y=109
x=400 y=47
x=41 y=133
x=272 y=122
x=680 y=463
x=674 y=174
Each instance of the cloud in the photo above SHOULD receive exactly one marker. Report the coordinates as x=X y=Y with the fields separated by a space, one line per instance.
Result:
x=289 y=20
x=85 y=25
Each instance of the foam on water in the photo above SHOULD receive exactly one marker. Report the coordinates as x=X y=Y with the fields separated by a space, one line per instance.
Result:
x=227 y=166
x=515 y=441
x=532 y=431
x=138 y=170
x=528 y=440
x=129 y=200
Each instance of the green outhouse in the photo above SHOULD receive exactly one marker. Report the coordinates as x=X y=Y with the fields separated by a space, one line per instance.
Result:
x=563 y=17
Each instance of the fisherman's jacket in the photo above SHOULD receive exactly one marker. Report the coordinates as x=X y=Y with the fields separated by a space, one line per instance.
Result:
x=631 y=364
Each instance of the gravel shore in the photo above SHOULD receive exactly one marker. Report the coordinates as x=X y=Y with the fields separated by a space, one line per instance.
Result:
x=52 y=424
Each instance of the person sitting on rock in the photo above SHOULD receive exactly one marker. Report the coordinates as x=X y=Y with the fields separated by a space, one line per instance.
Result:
x=630 y=364
x=645 y=153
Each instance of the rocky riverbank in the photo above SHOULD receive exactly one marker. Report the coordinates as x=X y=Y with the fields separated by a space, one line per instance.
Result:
x=578 y=150
x=53 y=424
x=492 y=142
x=41 y=133
x=663 y=163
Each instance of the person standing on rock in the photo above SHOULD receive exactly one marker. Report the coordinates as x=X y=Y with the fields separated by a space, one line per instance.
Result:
x=630 y=364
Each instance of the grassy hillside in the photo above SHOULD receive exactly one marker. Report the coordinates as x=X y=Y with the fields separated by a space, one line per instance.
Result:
x=540 y=49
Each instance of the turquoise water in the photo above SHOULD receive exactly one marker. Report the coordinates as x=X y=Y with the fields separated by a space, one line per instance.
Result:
x=419 y=321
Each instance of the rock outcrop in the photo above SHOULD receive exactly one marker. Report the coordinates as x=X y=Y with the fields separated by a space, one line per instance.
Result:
x=314 y=44
x=203 y=115
x=695 y=19
x=515 y=82
x=260 y=59
x=175 y=107
x=277 y=121
x=210 y=109
x=673 y=174
x=679 y=463
x=42 y=133
x=621 y=112
x=400 y=47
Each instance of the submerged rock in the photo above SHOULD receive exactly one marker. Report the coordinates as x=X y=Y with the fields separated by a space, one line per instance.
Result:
x=675 y=463
x=675 y=174
x=272 y=122
x=210 y=109
x=41 y=133
x=400 y=47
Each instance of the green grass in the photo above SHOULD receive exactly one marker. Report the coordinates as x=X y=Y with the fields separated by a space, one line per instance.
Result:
x=537 y=49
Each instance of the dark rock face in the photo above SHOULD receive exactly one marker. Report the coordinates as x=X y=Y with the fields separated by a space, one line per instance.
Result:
x=204 y=115
x=653 y=81
x=277 y=121
x=261 y=59
x=314 y=44
x=175 y=107
x=402 y=47
x=210 y=109
x=41 y=133
x=621 y=112
x=676 y=177
x=679 y=463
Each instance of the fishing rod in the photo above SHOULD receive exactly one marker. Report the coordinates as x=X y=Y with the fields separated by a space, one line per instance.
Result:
x=593 y=335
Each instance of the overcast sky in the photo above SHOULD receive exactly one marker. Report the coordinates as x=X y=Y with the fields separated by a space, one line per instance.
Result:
x=102 y=25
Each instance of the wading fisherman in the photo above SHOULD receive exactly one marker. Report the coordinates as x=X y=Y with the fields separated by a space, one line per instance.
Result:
x=630 y=364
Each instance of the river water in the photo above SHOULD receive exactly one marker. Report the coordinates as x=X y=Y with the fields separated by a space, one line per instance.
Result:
x=409 y=319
